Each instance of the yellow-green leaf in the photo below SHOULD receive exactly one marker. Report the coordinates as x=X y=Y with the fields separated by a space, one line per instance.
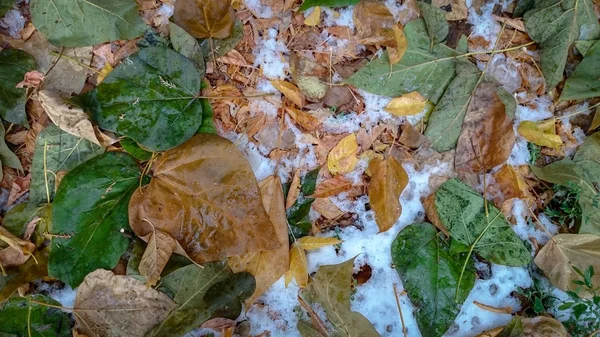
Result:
x=407 y=104
x=541 y=133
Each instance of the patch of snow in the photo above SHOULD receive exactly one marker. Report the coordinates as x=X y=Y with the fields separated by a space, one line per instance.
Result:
x=505 y=71
x=268 y=55
x=260 y=10
x=542 y=112
x=339 y=17
x=14 y=22
x=278 y=313
x=579 y=135
x=484 y=25
x=65 y=296
x=528 y=229
x=261 y=166
x=520 y=153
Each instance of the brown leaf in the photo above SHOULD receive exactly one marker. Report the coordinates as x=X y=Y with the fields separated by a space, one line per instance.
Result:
x=267 y=266
x=17 y=252
x=374 y=24
x=508 y=183
x=342 y=158
x=332 y=187
x=160 y=248
x=294 y=190
x=290 y=91
x=458 y=9
x=540 y=326
x=410 y=137
x=326 y=208
x=111 y=305
x=204 y=194
x=502 y=310
x=205 y=18
x=387 y=183
x=314 y=318
x=432 y=214
x=487 y=135
x=307 y=121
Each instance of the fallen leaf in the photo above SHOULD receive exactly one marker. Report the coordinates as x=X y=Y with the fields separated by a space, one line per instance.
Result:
x=435 y=20
x=411 y=137
x=188 y=46
x=290 y=91
x=326 y=3
x=106 y=69
x=69 y=118
x=458 y=9
x=332 y=187
x=34 y=316
x=312 y=87
x=298 y=268
x=540 y=326
x=397 y=51
x=327 y=209
x=117 y=305
x=374 y=24
x=205 y=18
x=14 y=64
x=7 y=157
x=388 y=180
x=317 y=323
x=342 y=158
x=293 y=191
x=503 y=310
x=596 y=121
x=509 y=183
x=34 y=269
x=220 y=221
x=314 y=17
x=307 y=121
x=157 y=254
x=298 y=215
x=32 y=79
x=269 y=265
x=310 y=243
x=542 y=133
x=407 y=104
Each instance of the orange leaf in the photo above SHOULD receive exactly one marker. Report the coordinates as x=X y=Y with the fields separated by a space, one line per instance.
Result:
x=342 y=158
x=298 y=266
x=387 y=183
x=332 y=186
x=290 y=91
x=205 y=18
x=304 y=119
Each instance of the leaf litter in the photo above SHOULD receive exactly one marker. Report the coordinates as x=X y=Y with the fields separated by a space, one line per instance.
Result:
x=262 y=168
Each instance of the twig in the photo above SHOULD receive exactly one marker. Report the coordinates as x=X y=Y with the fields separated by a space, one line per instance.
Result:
x=400 y=310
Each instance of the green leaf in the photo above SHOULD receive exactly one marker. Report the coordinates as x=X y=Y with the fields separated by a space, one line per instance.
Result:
x=298 y=214
x=78 y=23
x=208 y=125
x=56 y=150
x=201 y=294
x=90 y=211
x=522 y=7
x=24 y=317
x=188 y=46
x=131 y=147
x=555 y=25
x=422 y=70
x=7 y=157
x=430 y=276
x=584 y=82
x=5 y=6
x=513 y=329
x=583 y=46
x=435 y=20
x=331 y=289
x=327 y=3
x=150 y=98
x=462 y=211
x=221 y=47
x=13 y=66
x=18 y=217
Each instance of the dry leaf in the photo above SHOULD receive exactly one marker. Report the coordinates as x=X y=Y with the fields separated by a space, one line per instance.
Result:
x=508 y=183
x=411 y=137
x=290 y=91
x=104 y=72
x=596 y=121
x=502 y=310
x=204 y=194
x=298 y=266
x=432 y=214
x=387 y=183
x=407 y=104
x=267 y=266
x=342 y=158
x=32 y=79
x=326 y=208
x=458 y=9
x=307 y=121
x=17 y=252
x=565 y=251
x=71 y=119
x=374 y=24
x=332 y=187
x=540 y=326
x=311 y=243
x=397 y=52
x=294 y=190
x=111 y=305
x=541 y=133
x=314 y=318
x=314 y=17
x=160 y=248
x=205 y=18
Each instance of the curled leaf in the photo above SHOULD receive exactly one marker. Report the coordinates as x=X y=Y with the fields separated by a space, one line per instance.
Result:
x=298 y=266
x=541 y=133
x=290 y=91
x=407 y=104
x=205 y=18
x=342 y=158
x=387 y=183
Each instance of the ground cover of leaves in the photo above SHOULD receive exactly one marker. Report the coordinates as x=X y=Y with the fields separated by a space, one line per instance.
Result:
x=299 y=168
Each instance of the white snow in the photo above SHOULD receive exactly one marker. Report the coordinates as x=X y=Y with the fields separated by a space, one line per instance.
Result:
x=14 y=22
x=338 y=17
x=268 y=54
x=262 y=11
x=484 y=25
x=526 y=228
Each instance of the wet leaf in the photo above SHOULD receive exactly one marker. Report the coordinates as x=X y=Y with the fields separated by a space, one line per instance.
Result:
x=13 y=66
x=267 y=266
x=157 y=254
x=89 y=228
x=407 y=104
x=431 y=275
x=205 y=18
x=332 y=187
x=388 y=180
x=116 y=305
x=28 y=316
x=33 y=269
x=290 y=91
x=187 y=45
x=542 y=133
x=435 y=20
x=331 y=288
x=314 y=17
x=462 y=211
x=584 y=82
x=92 y=23
x=342 y=158
x=374 y=23
x=298 y=268
x=7 y=157
x=131 y=147
x=327 y=3
x=298 y=215
x=201 y=294
x=564 y=252
x=208 y=185
x=555 y=26
x=151 y=98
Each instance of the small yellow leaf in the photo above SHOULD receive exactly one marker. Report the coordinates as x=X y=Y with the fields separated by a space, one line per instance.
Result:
x=314 y=17
x=541 y=133
x=294 y=191
x=342 y=158
x=596 y=121
x=397 y=53
x=298 y=266
x=310 y=243
x=407 y=104
x=104 y=72
x=290 y=91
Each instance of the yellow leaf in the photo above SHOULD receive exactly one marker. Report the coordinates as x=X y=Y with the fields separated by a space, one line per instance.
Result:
x=310 y=243
x=596 y=121
x=407 y=104
x=104 y=72
x=342 y=158
x=541 y=133
x=396 y=53
x=294 y=191
x=290 y=91
x=314 y=17
x=304 y=119
x=298 y=268
x=387 y=183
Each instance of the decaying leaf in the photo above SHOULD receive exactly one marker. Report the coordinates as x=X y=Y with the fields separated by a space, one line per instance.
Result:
x=314 y=17
x=205 y=18
x=16 y=252
x=298 y=263
x=327 y=209
x=540 y=326
x=565 y=251
x=267 y=266
x=401 y=44
x=157 y=254
x=458 y=9
x=290 y=91
x=304 y=119
x=326 y=3
x=407 y=104
x=204 y=194
x=541 y=133
x=332 y=187
x=388 y=180
x=342 y=158
x=116 y=305
x=374 y=23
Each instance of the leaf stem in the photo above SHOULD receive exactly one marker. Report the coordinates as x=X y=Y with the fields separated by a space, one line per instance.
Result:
x=578 y=112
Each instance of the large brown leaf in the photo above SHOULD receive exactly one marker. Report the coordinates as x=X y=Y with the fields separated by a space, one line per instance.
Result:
x=267 y=266
x=374 y=24
x=387 y=183
x=204 y=194
x=487 y=135
x=205 y=18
